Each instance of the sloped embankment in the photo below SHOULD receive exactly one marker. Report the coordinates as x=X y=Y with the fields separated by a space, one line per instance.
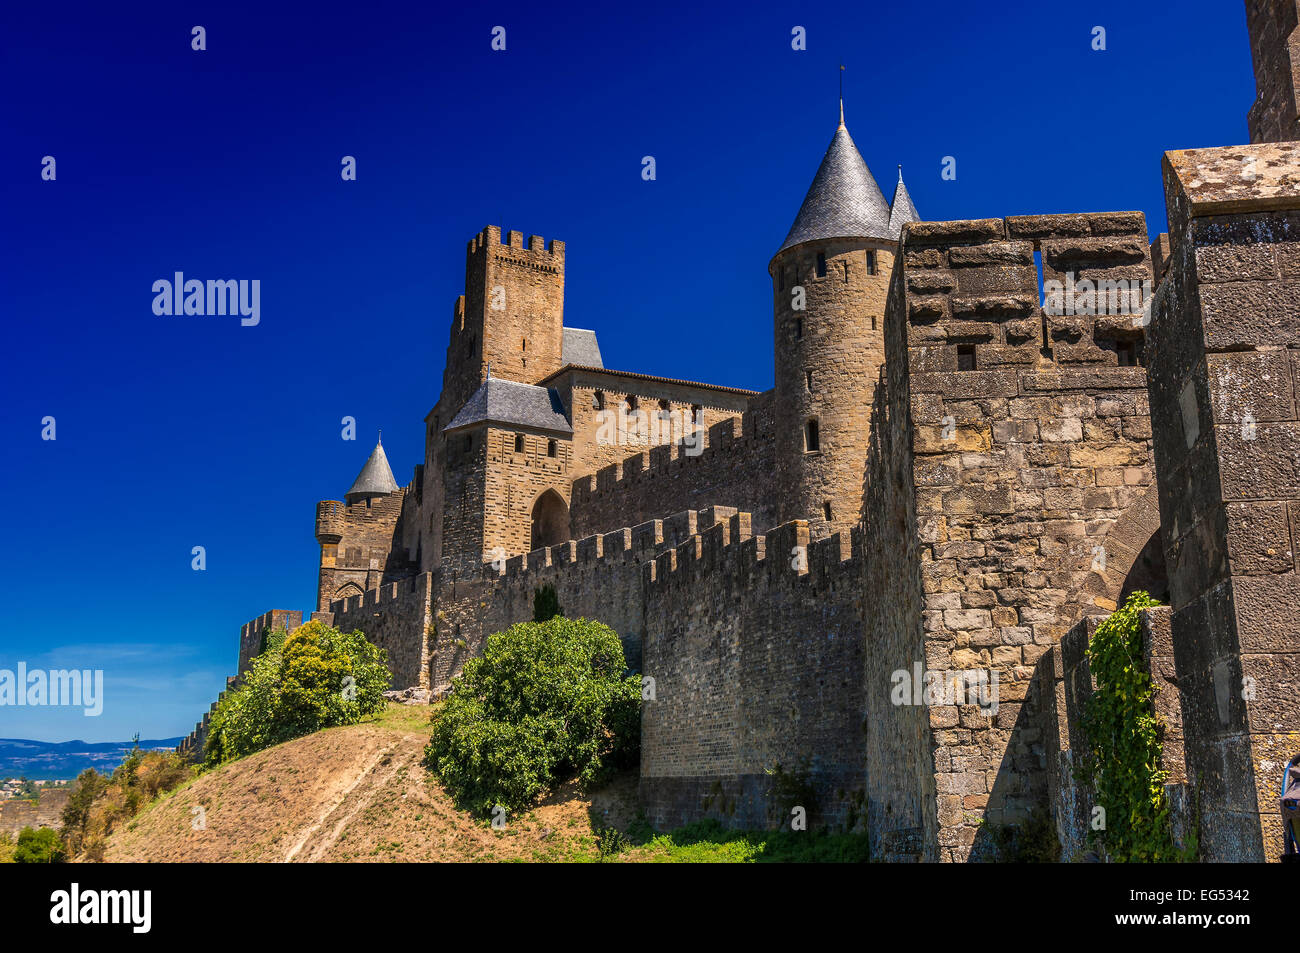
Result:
x=355 y=794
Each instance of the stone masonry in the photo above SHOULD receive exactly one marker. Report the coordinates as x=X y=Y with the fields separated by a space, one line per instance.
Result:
x=981 y=437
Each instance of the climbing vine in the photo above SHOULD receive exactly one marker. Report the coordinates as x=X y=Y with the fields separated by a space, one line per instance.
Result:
x=1121 y=762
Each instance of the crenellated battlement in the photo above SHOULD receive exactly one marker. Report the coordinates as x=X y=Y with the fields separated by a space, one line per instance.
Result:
x=972 y=292
x=490 y=240
x=732 y=468
x=728 y=553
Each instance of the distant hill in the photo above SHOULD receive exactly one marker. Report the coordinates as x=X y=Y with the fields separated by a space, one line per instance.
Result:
x=63 y=760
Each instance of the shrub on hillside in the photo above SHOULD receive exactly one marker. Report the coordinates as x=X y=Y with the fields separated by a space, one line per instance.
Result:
x=39 y=847
x=316 y=678
x=99 y=803
x=547 y=702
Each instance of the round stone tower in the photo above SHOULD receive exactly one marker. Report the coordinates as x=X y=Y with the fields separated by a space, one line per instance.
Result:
x=830 y=280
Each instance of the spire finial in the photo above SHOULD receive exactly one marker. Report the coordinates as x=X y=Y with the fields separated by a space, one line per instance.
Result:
x=841 y=94
x=381 y=435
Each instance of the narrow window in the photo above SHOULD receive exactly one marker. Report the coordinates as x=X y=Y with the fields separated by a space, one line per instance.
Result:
x=551 y=448
x=367 y=502
x=598 y=400
x=519 y=443
x=697 y=413
x=846 y=271
x=826 y=510
x=808 y=377
x=821 y=265
x=523 y=344
x=665 y=410
x=631 y=402
x=798 y=329
x=469 y=442
x=965 y=357
x=812 y=438
x=873 y=322
x=780 y=276
x=871 y=262
x=1126 y=351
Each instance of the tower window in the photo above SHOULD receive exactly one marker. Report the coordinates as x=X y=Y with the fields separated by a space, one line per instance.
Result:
x=519 y=443
x=551 y=448
x=780 y=277
x=808 y=376
x=812 y=437
x=826 y=510
x=798 y=329
x=697 y=412
x=871 y=262
x=523 y=344
x=846 y=271
x=665 y=410
x=821 y=265
x=965 y=357
x=469 y=442
x=598 y=400
x=873 y=322
x=631 y=402
x=1126 y=352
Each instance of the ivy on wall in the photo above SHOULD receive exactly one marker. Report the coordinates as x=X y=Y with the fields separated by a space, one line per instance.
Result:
x=1121 y=760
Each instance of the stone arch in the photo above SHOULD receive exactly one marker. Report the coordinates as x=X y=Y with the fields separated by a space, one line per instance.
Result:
x=347 y=591
x=550 y=520
x=1132 y=557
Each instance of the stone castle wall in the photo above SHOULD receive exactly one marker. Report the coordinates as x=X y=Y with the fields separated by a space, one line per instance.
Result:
x=398 y=618
x=1275 y=50
x=735 y=467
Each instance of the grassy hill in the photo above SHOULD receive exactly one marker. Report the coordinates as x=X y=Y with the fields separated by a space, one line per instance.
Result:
x=359 y=793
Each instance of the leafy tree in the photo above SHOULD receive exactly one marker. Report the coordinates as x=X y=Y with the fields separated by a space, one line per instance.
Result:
x=39 y=847
x=317 y=677
x=546 y=702
x=76 y=812
x=546 y=604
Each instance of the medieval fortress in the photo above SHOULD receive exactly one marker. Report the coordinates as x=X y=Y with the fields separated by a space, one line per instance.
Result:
x=949 y=475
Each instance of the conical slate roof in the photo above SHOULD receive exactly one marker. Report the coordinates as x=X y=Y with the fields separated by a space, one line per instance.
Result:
x=375 y=478
x=901 y=210
x=843 y=201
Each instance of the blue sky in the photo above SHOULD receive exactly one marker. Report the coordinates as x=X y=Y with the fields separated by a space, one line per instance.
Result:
x=174 y=432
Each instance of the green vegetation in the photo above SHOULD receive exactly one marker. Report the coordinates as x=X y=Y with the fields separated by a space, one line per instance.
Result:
x=6 y=848
x=1121 y=762
x=97 y=803
x=546 y=604
x=547 y=701
x=707 y=842
x=316 y=678
x=39 y=847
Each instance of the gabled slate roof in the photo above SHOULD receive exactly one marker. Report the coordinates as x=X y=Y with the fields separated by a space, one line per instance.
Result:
x=901 y=210
x=499 y=401
x=375 y=478
x=843 y=201
x=579 y=347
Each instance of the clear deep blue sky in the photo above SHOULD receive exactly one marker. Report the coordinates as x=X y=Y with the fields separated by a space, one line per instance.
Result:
x=174 y=432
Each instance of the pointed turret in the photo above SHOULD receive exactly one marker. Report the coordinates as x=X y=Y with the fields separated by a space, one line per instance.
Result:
x=843 y=201
x=375 y=478
x=901 y=210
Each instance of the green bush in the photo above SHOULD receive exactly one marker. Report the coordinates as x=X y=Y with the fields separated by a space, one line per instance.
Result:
x=316 y=678
x=547 y=702
x=546 y=604
x=39 y=847
x=1121 y=762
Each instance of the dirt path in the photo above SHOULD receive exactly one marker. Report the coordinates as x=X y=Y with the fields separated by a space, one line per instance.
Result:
x=378 y=776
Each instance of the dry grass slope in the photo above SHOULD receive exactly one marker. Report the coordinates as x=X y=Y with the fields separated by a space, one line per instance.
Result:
x=356 y=794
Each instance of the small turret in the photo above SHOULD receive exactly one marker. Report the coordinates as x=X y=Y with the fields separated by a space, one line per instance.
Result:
x=375 y=478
